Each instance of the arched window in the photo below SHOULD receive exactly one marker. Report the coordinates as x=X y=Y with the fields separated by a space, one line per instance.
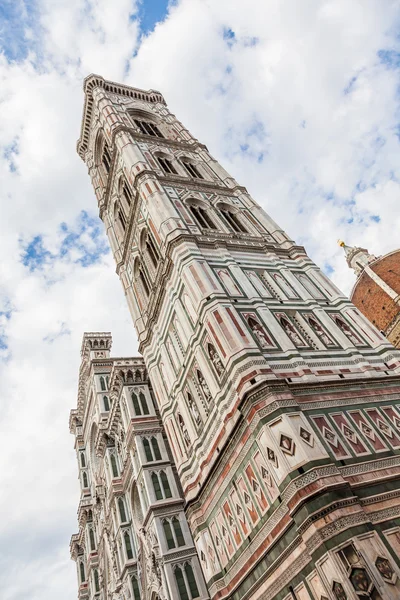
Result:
x=128 y=545
x=166 y=165
x=92 y=540
x=152 y=250
x=83 y=460
x=165 y=484
x=233 y=221
x=106 y=403
x=106 y=158
x=82 y=571
x=114 y=465
x=178 y=531
x=143 y=402
x=156 y=449
x=143 y=280
x=191 y=581
x=96 y=580
x=122 y=511
x=181 y=585
x=135 y=588
x=148 y=128
x=103 y=384
x=126 y=193
x=136 y=405
x=85 y=479
x=156 y=486
x=201 y=217
x=192 y=169
x=147 y=450
x=168 y=534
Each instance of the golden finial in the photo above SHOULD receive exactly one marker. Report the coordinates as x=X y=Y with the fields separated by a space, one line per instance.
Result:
x=341 y=243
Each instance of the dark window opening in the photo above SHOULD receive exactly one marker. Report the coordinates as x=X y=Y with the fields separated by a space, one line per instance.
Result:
x=201 y=217
x=167 y=165
x=148 y=128
x=192 y=170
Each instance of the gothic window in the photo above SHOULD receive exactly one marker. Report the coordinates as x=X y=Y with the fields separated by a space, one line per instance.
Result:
x=103 y=384
x=135 y=588
x=92 y=540
x=106 y=404
x=136 y=405
x=232 y=220
x=161 y=485
x=85 y=479
x=215 y=359
x=178 y=531
x=192 y=169
x=184 y=430
x=96 y=581
x=120 y=219
x=168 y=534
x=128 y=546
x=201 y=217
x=82 y=571
x=165 y=484
x=106 y=158
x=125 y=194
x=83 y=460
x=152 y=250
x=156 y=486
x=181 y=585
x=155 y=447
x=259 y=332
x=114 y=465
x=191 y=581
x=151 y=449
x=166 y=165
x=147 y=450
x=122 y=510
x=173 y=533
x=186 y=582
x=148 y=128
x=141 y=276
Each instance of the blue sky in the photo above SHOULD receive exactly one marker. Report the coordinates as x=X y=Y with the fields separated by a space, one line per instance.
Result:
x=302 y=108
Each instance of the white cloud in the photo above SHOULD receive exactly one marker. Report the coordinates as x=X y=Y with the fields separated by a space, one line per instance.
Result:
x=295 y=101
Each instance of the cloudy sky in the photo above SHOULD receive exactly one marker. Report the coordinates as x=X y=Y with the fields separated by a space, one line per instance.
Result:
x=299 y=100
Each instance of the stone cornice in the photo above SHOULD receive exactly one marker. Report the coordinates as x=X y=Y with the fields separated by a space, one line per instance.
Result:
x=96 y=81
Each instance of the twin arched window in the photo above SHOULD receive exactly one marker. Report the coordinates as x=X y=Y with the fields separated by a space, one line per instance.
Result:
x=161 y=485
x=139 y=404
x=232 y=220
x=202 y=217
x=173 y=533
x=186 y=582
x=192 y=169
x=148 y=128
x=151 y=449
x=166 y=165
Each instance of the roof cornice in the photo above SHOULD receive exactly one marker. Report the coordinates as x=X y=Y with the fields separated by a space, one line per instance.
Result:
x=96 y=81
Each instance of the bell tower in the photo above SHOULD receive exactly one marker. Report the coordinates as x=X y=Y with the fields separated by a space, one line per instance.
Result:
x=276 y=394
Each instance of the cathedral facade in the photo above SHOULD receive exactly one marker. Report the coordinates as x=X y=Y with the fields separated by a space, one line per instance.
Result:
x=273 y=401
